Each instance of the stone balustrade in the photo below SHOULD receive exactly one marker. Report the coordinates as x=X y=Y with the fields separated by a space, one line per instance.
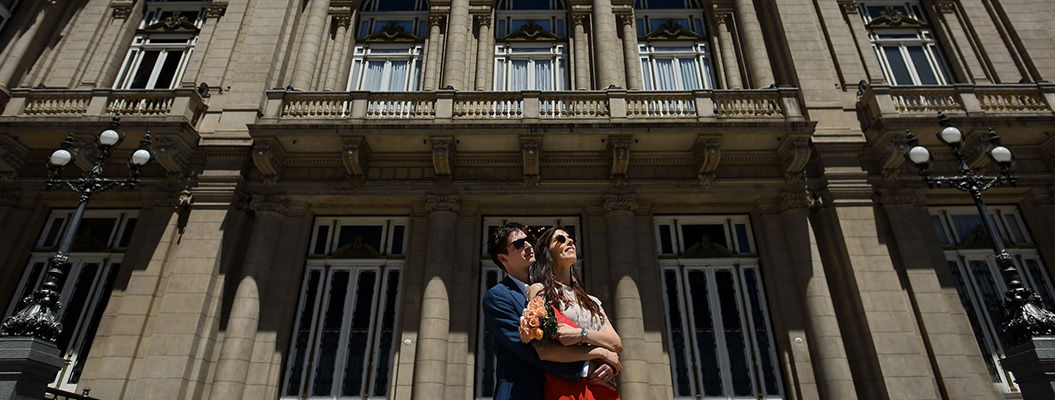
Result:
x=1019 y=100
x=612 y=104
x=66 y=103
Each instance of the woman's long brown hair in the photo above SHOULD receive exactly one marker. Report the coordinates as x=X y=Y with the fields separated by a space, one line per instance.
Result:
x=544 y=271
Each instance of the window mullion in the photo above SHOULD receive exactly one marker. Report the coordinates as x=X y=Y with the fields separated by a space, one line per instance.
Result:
x=690 y=312
x=721 y=347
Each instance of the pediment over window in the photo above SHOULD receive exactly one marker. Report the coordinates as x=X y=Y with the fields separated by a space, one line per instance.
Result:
x=172 y=24
x=531 y=31
x=391 y=32
x=892 y=18
x=671 y=30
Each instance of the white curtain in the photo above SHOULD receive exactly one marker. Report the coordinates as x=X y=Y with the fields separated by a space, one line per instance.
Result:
x=543 y=75
x=374 y=71
x=646 y=73
x=500 y=74
x=397 y=76
x=518 y=75
x=690 y=77
x=561 y=76
x=665 y=79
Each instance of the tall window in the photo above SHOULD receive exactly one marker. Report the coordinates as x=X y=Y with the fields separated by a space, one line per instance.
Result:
x=95 y=259
x=673 y=45
x=904 y=42
x=162 y=45
x=388 y=55
x=531 y=37
x=718 y=330
x=344 y=332
x=969 y=254
x=490 y=275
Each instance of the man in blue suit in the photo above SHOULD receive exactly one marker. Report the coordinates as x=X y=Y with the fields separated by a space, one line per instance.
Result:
x=519 y=371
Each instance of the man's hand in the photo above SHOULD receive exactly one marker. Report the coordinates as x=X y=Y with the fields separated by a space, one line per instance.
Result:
x=601 y=374
x=568 y=335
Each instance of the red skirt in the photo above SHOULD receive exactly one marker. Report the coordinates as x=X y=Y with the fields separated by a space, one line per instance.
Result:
x=562 y=389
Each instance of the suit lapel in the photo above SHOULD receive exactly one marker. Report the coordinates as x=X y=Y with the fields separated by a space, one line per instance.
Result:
x=515 y=292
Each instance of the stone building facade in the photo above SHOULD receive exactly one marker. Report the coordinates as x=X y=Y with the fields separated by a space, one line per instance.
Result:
x=327 y=172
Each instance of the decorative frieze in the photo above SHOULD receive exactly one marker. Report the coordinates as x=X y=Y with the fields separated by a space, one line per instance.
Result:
x=450 y=203
x=619 y=151
x=443 y=157
x=354 y=155
x=802 y=199
x=892 y=156
x=530 y=151
x=709 y=150
x=267 y=157
x=902 y=196
x=620 y=203
x=794 y=153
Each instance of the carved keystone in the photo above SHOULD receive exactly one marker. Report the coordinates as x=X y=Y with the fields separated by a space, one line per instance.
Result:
x=619 y=151
x=267 y=157
x=355 y=154
x=709 y=150
x=531 y=152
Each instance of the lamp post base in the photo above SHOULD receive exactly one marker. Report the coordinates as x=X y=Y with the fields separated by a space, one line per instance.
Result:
x=1033 y=364
x=27 y=366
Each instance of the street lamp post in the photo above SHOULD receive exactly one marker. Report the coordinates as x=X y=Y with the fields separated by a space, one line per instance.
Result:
x=1025 y=317
x=38 y=314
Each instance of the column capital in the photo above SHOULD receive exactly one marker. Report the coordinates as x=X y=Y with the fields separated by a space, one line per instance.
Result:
x=216 y=9
x=579 y=18
x=849 y=7
x=443 y=203
x=342 y=21
x=625 y=18
x=121 y=9
x=437 y=19
x=619 y=203
x=722 y=13
x=796 y=200
x=945 y=6
x=902 y=197
x=483 y=20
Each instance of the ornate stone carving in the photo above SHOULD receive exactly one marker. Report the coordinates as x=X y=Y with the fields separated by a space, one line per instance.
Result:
x=619 y=203
x=531 y=31
x=624 y=19
x=791 y=200
x=945 y=6
x=893 y=157
x=216 y=9
x=173 y=155
x=849 y=7
x=976 y=142
x=794 y=153
x=355 y=154
x=443 y=157
x=709 y=150
x=723 y=14
x=579 y=19
x=121 y=9
x=267 y=157
x=12 y=158
x=437 y=20
x=902 y=196
x=271 y=203
x=892 y=18
x=483 y=20
x=531 y=152
x=391 y=32
x=619 y=151
x=85 y=151
x=443 y=203
x=342 y=21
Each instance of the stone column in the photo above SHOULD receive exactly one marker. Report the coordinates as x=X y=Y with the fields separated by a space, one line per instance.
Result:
x=340 y=51
x=310 y=44
x=582 y=52
x=43 y=14
x=485 y=54
x=730 y=64
x=628 y=320
x=243 y=322
x=630 y=53
x=606 y=45
x=860 y=34
x=430 y=369
x=433 y=59
x=346 y=54
x=828 y=353
x=754 y=44
x=455 y=58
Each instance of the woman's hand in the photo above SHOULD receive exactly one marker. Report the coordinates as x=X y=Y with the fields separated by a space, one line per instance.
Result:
x=533 y=290
x=568 y=335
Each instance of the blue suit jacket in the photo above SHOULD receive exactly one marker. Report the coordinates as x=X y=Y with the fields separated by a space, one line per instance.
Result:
x=518 y=373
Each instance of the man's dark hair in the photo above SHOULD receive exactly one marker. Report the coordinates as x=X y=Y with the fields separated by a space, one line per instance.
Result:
x=499 y=240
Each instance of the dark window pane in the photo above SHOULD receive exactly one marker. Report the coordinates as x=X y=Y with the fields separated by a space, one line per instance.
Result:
x=922 y=65
x=682 y=377
x=976 y=325
x=769 y=377
x=303 y=333
x=146 y=67
x=35 y=272
x=77 y=304
x=987 y=289
x=126 y=236
x=897 y=66
x=971 y=231
x=94 y=234
x=705 y=335
x=935 y=221
x=1040 y=284
x=735 y=342
x=398 y=232
x=93 y=325
x=666 y=242
x=321 y=239
x=52 y=238
x=169 y=70
x=1013 y=229
x=744 y=243
x=705 y=241
x=362 y=312
x=329 y=339
x=666 y=4
x=358 y=241
x=386 y=335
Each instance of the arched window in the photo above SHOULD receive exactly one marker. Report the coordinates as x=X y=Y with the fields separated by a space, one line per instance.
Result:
x=530 y=48
x=388 y=51
x=673 y=45
x=904 y=42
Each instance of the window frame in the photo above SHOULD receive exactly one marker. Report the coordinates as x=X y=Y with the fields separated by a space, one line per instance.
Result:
x=899 y=38
x=161 y=42
x=363 y=54
x=506 y=52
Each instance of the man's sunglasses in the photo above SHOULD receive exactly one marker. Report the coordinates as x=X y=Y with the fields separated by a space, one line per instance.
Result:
x=561 y=238
x=520 y=243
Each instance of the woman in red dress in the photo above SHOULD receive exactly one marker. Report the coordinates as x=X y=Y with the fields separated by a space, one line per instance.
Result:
x=583 y=321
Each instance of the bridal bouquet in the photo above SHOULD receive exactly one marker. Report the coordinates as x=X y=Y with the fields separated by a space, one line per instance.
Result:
x=537 y=322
